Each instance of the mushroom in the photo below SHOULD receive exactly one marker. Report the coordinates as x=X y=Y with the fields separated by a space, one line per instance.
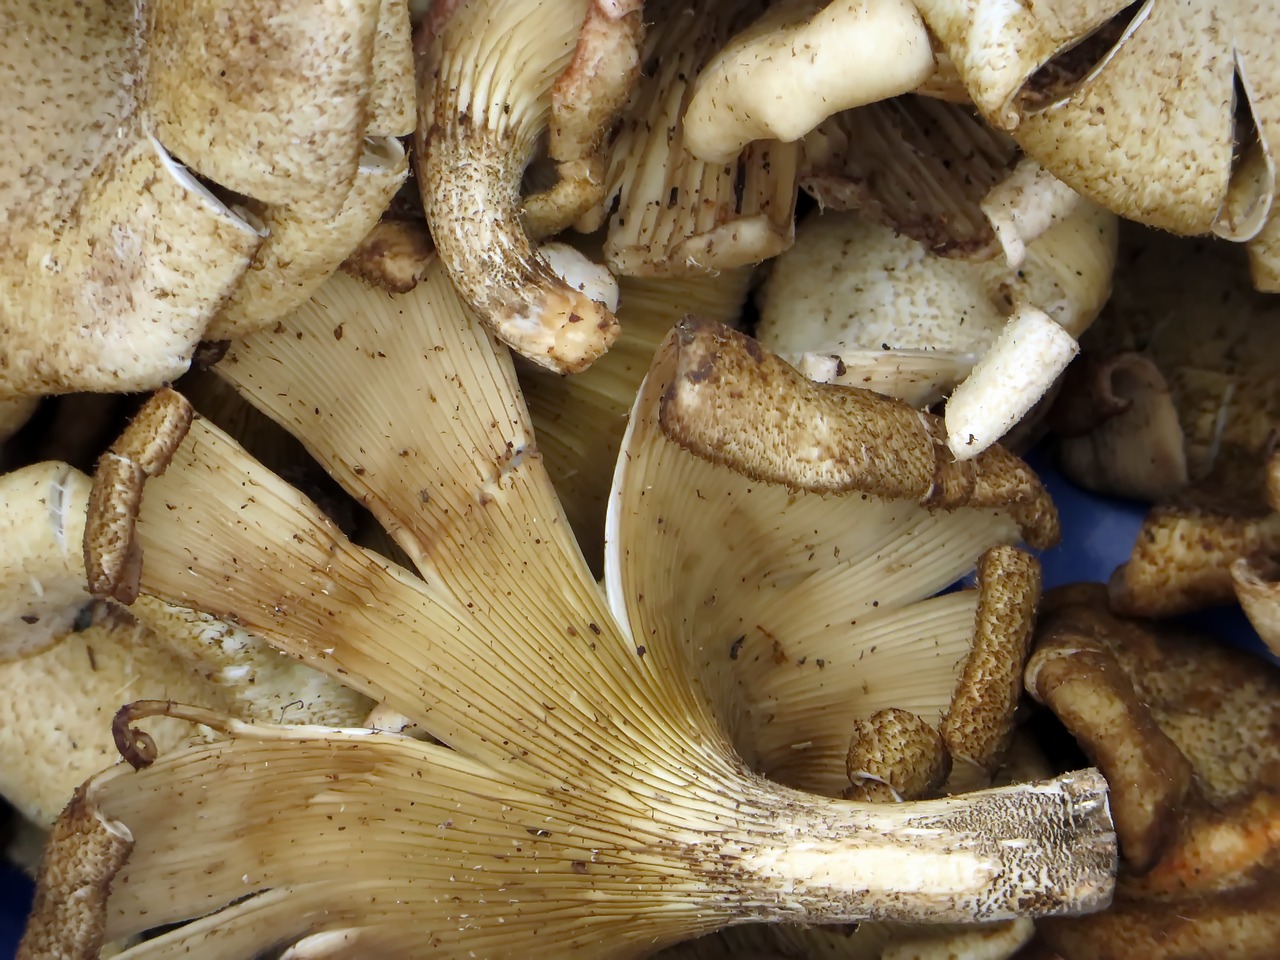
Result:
x=800 y=62
x=151 y=170
x=483 y=105
x=937 y=173
x=1096 y=94
x=669 y=212
x=594 y=773
x=857 y=293
x=1184 y=730
x=804 y=614
x=579 y=420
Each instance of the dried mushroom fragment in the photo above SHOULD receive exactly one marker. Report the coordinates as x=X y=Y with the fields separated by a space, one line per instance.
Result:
x=484 y=102
x=1191 y=151
x=800 y=62
x=123 y=243
x=1185 y=732
x=580 y=764
x=802 y=572
x=850 y=289
x=669 y=212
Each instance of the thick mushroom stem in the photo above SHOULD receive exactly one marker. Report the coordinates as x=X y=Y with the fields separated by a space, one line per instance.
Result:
x=801 y=62
x=476 y=134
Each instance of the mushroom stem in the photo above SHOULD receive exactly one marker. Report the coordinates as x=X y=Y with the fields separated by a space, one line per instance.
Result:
x=475 y=137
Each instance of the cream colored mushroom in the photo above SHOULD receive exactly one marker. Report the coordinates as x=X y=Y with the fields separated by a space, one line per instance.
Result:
x=800 y=62
x=1164 y=113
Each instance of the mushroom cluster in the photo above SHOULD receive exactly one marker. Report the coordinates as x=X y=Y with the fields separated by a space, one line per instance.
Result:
x=580 y=509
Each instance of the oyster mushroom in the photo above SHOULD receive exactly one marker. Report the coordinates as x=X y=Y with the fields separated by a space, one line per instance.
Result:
x=77 y=662
x=150 y=173
x=856 y=292
x=1092 y=91
x=669 y=212
x=599 y=781
x=1184 y=731
x=800 y=62
x=483 y=106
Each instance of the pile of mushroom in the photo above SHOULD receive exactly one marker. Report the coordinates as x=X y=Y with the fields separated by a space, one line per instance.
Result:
x=592 y=521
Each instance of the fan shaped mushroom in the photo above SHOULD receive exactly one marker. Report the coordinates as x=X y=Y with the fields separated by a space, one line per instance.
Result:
x=176 y=157
x=857 y=293
x=484 y=102
x=1184 y=730
x=1164 y=113
x=599 y=780
x=669 y=212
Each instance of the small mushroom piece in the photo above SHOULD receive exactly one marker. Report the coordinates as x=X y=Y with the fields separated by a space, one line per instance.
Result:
x=669 y=212
x=1185 y=728
x=1077 y=676
x=42 y=520
x=1027 y=356
x=800 y=62
x=580 y=420
x=14 y=413
x=1024 y=205
x=482 y=109
x=850 y=286
x=394 y=255
x=1118 y=429
x=1183 y=557
x=1184 y=305
x=894 y=755
x=1260 y=599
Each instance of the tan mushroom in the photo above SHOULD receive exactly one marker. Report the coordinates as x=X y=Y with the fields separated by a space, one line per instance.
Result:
x=669 y=212
x=1164 y=113
x=484 y=102
x=800 y=62
x=596 y=775
x=151 y=173
x=851 y=289
x=1184 y=730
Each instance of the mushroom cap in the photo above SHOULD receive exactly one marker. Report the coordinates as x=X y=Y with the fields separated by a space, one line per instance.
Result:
x=1164 y=113
x=800 y=62
x=126 y=202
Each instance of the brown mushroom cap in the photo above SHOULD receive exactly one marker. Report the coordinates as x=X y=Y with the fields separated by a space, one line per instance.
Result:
x=1185 y=732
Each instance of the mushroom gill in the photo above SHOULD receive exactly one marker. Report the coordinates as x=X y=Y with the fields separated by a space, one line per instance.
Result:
x=616 y=813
